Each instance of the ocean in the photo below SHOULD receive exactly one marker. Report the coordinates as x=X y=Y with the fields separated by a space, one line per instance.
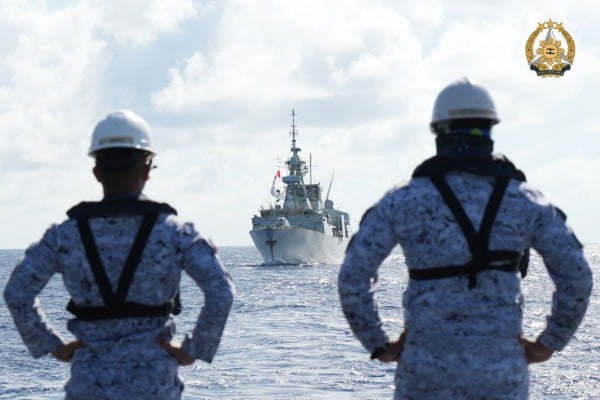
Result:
x=287 y=337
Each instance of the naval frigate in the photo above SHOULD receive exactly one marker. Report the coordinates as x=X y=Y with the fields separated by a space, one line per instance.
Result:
x=300 y=227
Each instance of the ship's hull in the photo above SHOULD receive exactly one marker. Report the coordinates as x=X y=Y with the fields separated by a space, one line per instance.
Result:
x=296 y=245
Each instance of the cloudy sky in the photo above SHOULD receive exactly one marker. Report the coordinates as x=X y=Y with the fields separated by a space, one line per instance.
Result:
x=217 y=81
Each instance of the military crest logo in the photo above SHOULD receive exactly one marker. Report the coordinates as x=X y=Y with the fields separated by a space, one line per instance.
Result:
x=555 y=50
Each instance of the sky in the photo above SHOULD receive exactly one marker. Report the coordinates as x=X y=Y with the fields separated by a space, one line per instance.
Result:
x=218 y=80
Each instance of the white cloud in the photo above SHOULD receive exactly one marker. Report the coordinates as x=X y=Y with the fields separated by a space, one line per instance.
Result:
x=140 y=22
x=52 y=71
x=267 y=52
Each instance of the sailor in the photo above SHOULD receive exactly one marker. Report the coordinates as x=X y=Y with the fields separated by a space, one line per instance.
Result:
x=465 y=222
x=121 y=261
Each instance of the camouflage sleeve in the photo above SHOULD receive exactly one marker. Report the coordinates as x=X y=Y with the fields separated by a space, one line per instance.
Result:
x=357 y=280
x=203 y=265
x=569 y=270
x=25 y=283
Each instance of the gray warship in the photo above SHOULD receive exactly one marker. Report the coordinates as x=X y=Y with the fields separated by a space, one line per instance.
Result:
x=300 y=227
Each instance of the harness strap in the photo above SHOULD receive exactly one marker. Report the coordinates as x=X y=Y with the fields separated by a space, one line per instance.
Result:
x=133 y=259
x=125 y=310
x=478 y=241
x=502 y=260
x=115 y=305
x=91 y=251
x=492 y=210
x=459 y=213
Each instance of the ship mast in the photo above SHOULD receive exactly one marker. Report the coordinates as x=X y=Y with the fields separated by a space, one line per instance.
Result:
x=295 y=179
x=295 y=163
x=293 y=133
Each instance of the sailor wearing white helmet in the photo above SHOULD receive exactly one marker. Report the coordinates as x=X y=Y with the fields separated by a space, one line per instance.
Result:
x=465 y=222
x=121 y=261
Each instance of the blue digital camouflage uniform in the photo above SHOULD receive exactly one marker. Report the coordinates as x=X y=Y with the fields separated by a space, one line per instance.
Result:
x=462 y=343
x=121 y=359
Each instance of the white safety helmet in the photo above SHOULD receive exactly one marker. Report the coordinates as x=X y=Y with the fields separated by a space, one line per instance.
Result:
x=463 y=99
x=121 y=129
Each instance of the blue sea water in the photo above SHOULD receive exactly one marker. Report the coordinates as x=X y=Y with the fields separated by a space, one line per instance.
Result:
x=287 y=337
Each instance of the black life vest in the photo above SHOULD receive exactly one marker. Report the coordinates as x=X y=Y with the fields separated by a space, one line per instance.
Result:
x=482 y=258
x=115 y=303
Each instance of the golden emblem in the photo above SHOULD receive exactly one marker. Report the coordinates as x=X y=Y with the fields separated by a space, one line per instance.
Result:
x=550 y=59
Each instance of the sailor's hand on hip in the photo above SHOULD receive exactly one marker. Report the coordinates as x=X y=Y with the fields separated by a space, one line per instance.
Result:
x=394 y=349
x=535 y=352
x=66 y=351
x=174 y=349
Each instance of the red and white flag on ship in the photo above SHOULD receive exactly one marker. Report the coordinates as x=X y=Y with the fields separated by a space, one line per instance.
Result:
x=275 y=191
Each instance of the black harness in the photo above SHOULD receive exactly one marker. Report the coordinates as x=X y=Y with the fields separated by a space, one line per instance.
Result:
x=482 y=258
x=115 y=303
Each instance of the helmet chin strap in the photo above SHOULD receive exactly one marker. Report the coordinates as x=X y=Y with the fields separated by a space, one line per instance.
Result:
x=461 y=145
